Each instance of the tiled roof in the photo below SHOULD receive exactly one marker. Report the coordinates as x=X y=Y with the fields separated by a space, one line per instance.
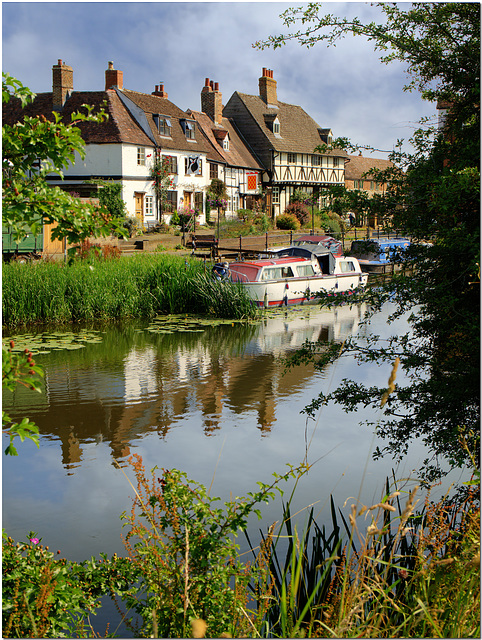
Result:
x=238 y=154
x=121 y=125
x=299 y=133
x=357 y=166
x=151 y=104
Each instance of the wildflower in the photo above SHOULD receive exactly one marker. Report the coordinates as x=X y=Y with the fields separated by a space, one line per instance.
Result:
x=34 y=540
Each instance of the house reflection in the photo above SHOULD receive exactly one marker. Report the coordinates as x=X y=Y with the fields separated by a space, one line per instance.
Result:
x=148 y=389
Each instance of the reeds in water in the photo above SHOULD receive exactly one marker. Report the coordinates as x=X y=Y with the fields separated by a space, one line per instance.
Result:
x=138 y=287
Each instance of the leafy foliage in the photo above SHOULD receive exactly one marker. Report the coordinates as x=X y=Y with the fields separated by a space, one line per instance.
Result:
x=19 y=369
x=184 y=549
x=33 y=148
x=433 y=196
x=287 y=221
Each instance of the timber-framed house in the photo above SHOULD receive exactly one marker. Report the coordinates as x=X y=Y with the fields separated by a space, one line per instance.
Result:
x=284 y=138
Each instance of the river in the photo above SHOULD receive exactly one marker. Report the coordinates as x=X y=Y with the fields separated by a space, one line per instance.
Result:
x=212 y=400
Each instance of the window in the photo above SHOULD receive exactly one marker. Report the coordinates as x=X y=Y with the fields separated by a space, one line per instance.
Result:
x=189 y=129
x=172 y=160
x=171 y=201
x=213 y=171
x=345 y=267
x=275 y=195
x=372 y=186
x=336 y=162
x=226 y=143
x=276 y=127
x=149 y=200
x=305 y=270
x=163 y=124
x=141 y=156
x=316 y=161
x=292 y=158
x=360 y=184
x=198 y=201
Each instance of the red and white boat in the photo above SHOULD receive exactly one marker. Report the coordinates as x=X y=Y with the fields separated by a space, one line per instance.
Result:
x=296 y=274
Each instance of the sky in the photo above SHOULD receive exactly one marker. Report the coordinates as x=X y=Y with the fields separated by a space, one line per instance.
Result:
x=345 y=88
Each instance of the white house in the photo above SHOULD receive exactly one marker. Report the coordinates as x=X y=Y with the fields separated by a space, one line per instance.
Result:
x=123 y=147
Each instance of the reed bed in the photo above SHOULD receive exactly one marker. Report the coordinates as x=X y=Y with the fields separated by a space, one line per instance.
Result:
x=139 y=287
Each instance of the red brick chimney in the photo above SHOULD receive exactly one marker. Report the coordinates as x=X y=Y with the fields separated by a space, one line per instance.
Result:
x=113 y=77
x=159 y=91
x=62 y=84
x=267 y=88
x=212 y=101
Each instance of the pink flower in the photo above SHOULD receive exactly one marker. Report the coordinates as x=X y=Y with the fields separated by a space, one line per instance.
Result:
x=34 y=540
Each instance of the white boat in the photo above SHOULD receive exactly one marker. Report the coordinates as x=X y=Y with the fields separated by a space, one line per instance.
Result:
x=296 y=274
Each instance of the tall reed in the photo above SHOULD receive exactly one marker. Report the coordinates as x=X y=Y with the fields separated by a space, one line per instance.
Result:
x=138 y=287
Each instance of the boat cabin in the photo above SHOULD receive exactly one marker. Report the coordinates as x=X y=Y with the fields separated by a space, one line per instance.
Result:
x=325 y=241
x=379 y=250
x=273 y=269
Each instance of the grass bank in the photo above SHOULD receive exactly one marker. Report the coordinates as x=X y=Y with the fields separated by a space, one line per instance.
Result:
x=138 y=287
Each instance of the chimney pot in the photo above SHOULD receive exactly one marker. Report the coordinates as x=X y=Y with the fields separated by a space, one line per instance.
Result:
x=110 y=65
x=60 y=63
x=216 y=86
x=206 y=82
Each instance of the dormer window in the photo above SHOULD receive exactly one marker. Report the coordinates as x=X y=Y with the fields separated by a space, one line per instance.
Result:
x=226 y=143
x=326 y=135
x=163 y=124
x=273 y=123
x=189 y=127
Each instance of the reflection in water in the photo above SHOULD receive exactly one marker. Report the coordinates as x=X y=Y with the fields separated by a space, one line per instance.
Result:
x=135 y=383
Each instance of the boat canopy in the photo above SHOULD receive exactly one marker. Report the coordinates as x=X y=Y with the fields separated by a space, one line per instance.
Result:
x=325 y=258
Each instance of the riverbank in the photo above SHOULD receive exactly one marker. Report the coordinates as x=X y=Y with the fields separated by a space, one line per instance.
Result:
x=405 y=575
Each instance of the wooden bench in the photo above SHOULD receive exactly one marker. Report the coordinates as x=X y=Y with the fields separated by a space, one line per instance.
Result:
x=203 y=242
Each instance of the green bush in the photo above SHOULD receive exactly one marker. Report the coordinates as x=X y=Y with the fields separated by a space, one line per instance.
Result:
x=287 y=222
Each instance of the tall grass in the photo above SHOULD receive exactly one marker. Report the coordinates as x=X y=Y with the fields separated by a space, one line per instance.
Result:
x=138 y=287
x=389 y=572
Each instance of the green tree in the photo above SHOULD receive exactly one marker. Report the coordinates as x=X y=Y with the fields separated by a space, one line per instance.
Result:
x=432 y=195
x=33 y=148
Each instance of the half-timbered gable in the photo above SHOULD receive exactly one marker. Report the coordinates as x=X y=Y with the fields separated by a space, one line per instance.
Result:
x=285 y=138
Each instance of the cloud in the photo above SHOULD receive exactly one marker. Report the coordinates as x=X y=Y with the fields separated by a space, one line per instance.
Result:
x=345 y=87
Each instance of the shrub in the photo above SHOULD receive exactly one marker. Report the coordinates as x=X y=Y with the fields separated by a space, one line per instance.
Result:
x=299 y=210
x=288 y=222
x=299 y=196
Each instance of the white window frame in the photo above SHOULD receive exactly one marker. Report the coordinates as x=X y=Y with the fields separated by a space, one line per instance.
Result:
x=275 y=195
x=141 y=156
x=149 y=206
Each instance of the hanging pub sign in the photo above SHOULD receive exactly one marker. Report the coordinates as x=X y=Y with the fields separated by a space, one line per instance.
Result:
x=252 y=179
x=194 y=165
